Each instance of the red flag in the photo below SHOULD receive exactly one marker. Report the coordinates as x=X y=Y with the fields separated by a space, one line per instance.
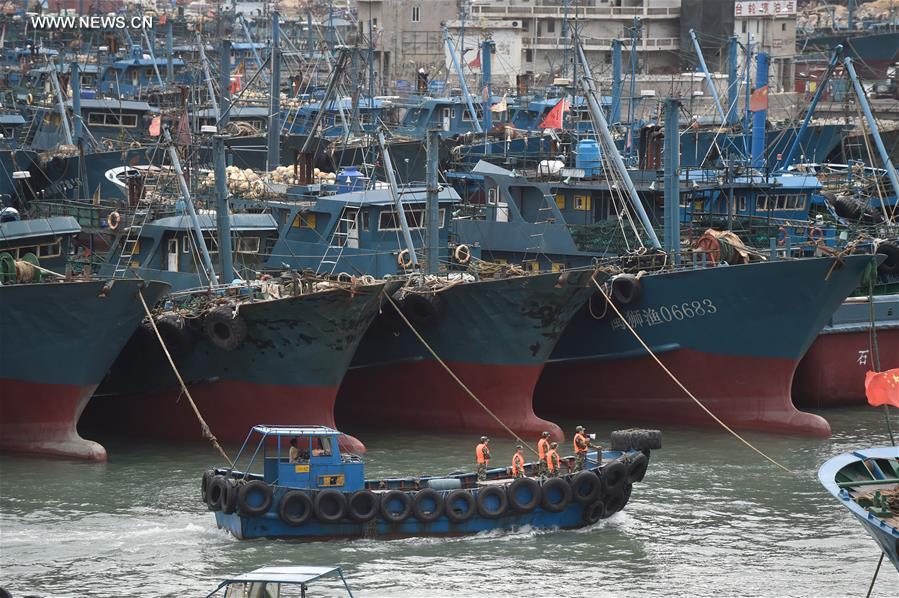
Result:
x=759 y=99
x=236 y=84
x=553 y=120
x=155 y=126
x=476 y=63
x=882 y=388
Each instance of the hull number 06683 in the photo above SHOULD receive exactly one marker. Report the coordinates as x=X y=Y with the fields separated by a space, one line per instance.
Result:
x=654 y=316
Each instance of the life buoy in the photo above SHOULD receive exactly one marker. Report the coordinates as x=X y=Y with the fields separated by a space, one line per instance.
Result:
x=492 y=501
x=626 y=289
x=223 y=329
x=614 y=477
x=229 y=496
x=585 y=487
x=395 y=506
x=29 y=99
x=556 y=495
x=206 y=480
x=427 y=505
x=462 y=253
x=524 y=495
x=459 y=506
x=782 y=240
x=815 y=234
x=404 y=259
x=295 y=508
x=362 y=506
x=594 y=512
x=113 y=220
x=254 y=498
x=329 y=506
x=636 y=469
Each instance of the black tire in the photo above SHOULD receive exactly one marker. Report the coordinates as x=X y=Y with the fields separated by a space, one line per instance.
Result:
x=329 y=506
x=422 y=501
x=422 y=309
x=614 y=477
x=229 y=496
x=614 y=503
x=594 y=512
x=556 y=495
x=363 y=506
x=254 y=498
x=205 y=482
x=174 y=331
x=295 y=508
x=530 y=490
x=637 y=439
x=891 y=264
x=626 y=289
x=223 y=330
x=487 y=496
x=214 y=494
x=392 y=515
x=455 y=500
x=585 y=487
x=636 y=468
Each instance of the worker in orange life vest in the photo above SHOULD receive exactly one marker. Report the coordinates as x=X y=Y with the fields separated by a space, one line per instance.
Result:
x=518 y=463
x=542 y=449
x=581 y=444
x=552 y=460
x=482 y=454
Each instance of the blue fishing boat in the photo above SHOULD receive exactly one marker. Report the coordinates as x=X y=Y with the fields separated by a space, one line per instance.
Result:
x=277 y=581
x=322 y=494
x=867 y=483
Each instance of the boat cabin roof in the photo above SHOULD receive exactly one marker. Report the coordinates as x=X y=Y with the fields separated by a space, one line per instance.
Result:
x=39 y=227
x=295 y=430
x=239 y=222
x=291 y=575
x=112 y=104
x=383 y=197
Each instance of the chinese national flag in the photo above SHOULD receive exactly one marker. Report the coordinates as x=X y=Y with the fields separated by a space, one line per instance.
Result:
x=476 y=63
x=759 y=99
x=882 y=388
x=155 y=126
x=553 y=120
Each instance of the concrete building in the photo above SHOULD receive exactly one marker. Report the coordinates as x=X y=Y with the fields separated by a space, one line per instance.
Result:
x=771 y=27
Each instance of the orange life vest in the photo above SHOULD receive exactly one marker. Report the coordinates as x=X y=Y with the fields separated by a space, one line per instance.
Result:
x=542 y=447
x=482 y=454
x=517 y=464
x=552 y=460
x=583 y=439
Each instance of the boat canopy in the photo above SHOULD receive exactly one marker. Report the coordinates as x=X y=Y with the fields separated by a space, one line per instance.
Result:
x=292 y=575
x=239 y=222
x=39 y=227
x=295 y=430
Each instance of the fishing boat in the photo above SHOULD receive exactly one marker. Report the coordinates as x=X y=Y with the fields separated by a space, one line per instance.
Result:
x=277 y=581
x=323 y=493
x=867 y=483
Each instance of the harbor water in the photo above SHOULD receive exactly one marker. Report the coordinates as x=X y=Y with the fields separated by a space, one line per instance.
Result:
x=711 y=519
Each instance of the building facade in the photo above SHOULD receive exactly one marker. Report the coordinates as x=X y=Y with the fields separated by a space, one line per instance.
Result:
x=770 y=25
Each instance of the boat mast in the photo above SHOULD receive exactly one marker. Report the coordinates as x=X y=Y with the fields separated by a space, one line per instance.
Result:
x=615 y=111
x=61 y=103
x=170 y=51
x=216 y=111
x=486 y=60
x=708 y=76
x=274 y=116
x=672 y=180
x=465 y=92
x=433 y=204
x=732 y=83
x=246 y=32
x=397 y=201
x=759 y=117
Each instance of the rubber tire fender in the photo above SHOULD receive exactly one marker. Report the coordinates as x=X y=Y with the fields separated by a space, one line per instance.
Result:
x=367 y=510
x=418 y=508
x=214 y=493
x=290 y=516
x=449 y=506
x=585 y=487
x=422 y=309
x=636 y=468
x=594 y=512
x=512 y=493
x=398 y=517
x=229 y=496
x=223 y=330
x=626 y=289
x=635 y=438
x=547 y=501
x=244 y=493
x=614 y=477
x=891 y=264
x=329 y=506
x=205 y=481
x=616 y=502
x=487 y=511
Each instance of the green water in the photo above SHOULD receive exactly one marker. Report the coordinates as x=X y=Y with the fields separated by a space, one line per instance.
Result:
x=710 y=519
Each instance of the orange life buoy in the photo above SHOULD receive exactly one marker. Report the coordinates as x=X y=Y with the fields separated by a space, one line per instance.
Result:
x=113 y=220
x=404 y=259
x=815 y=234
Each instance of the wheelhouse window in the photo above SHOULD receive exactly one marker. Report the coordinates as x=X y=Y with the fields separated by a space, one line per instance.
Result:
x=50 y=250
x=582 y=202
x=248 y=245
x=112 y=120
x=389 y=220
x=304 y=220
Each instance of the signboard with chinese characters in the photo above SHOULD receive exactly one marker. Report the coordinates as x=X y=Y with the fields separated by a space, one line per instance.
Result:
x=765 y=8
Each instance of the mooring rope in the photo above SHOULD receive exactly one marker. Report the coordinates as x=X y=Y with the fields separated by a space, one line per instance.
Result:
x=678 y=382
x=455 y=377
x=873 y=579
x=872 y=334
x=207 y=433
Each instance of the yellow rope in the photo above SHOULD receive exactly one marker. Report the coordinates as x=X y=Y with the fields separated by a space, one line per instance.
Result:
x=207 y=433
x=455 y=377
x=678 y=382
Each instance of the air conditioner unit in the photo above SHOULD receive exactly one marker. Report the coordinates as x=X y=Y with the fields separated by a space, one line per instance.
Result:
x=647 y=93
x=562 y=82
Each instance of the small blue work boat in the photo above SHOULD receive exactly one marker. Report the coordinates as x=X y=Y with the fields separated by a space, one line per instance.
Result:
x=867 y=483
x=276 y=581
x=323 y=494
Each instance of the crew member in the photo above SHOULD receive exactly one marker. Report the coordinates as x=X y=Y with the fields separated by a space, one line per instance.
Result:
x=294 y=452
x=482 y=454
x=581 y=444
x=518 y=463
x=552 y=460
x=542 y=449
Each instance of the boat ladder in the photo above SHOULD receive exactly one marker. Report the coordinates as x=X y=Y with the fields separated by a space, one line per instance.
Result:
x=347 y=228
x=139 y=216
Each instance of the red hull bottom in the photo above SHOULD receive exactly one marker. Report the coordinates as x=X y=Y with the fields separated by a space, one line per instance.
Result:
x=41 y=419
x=422 y=395
x=229 y=408
x=832 y=373
x=744 y=392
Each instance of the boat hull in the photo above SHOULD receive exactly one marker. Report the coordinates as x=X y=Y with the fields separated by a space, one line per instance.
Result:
x=732 y=335
x=65 y=337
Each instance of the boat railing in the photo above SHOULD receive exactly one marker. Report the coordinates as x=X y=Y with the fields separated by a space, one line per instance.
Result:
x=93 y=214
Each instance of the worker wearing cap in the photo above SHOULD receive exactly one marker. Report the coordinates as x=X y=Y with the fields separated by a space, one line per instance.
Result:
x=552 y=460
x=518 y=463
x=482 y=455
x=542 y=449
x=581 y=444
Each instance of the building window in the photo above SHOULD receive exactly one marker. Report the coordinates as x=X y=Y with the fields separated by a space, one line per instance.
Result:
x=743 y=26
x=550 y=26
x=416 y=14
x=525 y=25
x=783 y=26
x=529 y=56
